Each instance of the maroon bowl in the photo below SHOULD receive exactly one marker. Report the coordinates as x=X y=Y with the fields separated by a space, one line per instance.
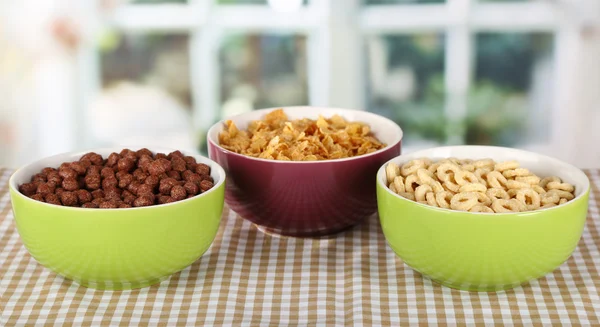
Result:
x=305 y=198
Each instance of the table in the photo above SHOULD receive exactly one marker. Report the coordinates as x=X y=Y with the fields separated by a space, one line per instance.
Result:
x=251 y=278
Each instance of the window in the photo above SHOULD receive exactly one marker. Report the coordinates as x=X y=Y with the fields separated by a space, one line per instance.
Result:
x=448 y=71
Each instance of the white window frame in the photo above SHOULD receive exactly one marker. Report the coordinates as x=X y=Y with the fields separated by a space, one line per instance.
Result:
x=335 y=29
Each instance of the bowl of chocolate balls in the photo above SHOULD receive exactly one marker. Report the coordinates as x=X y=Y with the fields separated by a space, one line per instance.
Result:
x=118 y=218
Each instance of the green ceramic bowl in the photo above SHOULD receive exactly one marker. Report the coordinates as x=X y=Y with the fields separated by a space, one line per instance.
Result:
x=483 y=251
x=117 y=248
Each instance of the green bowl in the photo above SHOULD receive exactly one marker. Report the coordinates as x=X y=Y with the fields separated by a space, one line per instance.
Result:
x=484 y=251
x=117 y=248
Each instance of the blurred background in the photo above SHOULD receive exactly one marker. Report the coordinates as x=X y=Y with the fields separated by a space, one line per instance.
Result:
x=76 y=74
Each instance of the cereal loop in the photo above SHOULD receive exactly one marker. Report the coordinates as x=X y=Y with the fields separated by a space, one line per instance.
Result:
x=463 y=177
x=547 y=180
x=443 y=199
x=411 y=183
x=399 y=184
x=495 y=179
x=497 y=193
x=410 y=196
x=463 y=201
x=531 y=180
x=472 y=187
x=560 y=186
x=421 y=191
x=506 y=165
x=430 y=197
x=484 y=163
x=540 y=190
x=512 y=184
x=391 y=170
x=411 y=167
x=392 y=188
x=562 y=194
x=518 y=172
x=504 y=206
x=445 y=169
x=452 y=186
x=529 y=197
x=549 y=198
x=483 y=199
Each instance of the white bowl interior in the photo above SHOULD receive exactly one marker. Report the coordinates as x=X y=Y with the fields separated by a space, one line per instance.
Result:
x=384 y=129
x=541 y=165
x=24 y=174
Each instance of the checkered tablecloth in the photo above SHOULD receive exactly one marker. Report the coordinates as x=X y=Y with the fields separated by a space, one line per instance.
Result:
x=253 y=279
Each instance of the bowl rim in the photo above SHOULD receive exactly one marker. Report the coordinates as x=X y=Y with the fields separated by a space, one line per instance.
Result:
x=587 y=184
x=398 y=137
x=77 y=154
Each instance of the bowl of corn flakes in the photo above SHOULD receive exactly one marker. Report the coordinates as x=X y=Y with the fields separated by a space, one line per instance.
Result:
x=481 y=218
x=303 y=171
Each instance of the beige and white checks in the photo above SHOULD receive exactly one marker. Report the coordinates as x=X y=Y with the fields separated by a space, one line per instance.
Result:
x=253 y=279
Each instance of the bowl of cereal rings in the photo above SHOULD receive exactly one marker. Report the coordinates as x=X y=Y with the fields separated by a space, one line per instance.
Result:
x=481 y=218
x=303 y=171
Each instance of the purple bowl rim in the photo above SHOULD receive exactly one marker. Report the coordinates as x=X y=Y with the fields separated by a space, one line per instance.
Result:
x=397 y=141
x=220 y=171
x=487 y=214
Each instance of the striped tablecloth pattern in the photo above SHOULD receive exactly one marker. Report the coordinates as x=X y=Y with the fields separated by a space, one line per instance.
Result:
x=251 y=278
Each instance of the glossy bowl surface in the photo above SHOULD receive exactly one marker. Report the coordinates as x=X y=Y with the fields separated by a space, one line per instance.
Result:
x=305 y=198
x=483 y=251
x=117 y=248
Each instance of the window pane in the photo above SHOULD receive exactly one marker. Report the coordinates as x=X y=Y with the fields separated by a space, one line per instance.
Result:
x=406 y=84
x=510 y=102
x=393 y=2
x=261 y=71
x=159 y=60
x=146 y=96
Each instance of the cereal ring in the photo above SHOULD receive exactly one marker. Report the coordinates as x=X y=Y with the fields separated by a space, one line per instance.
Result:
x=472 y=187
x=445 y=169
x=529 y=197
x=518 y=172
x=399 y=184
x=428 y=178
x=391 y=170
x=463 y=201
x=392 y=188
x=443 y=199
x=426 y=161
x=430 y=197
x=560 y=186
x=547 y=180
x=433 y=167
x=531 y=179
x=548 y=198
x=562 y=201
x=497 y=193
x=481 y=174
x=463 y=177
x=451 y=186
x=411 y=167
x=562 y=194
x=483 y=199
x=496 y=180
x=411 y=183
x=468 y=167
x=484 y=163
x=407 y=195
x=506 y=165
x=512 y=192
x=481 y=208
x=538 y=189
x=421 y=191
x=502 y=206
x=512 y=184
